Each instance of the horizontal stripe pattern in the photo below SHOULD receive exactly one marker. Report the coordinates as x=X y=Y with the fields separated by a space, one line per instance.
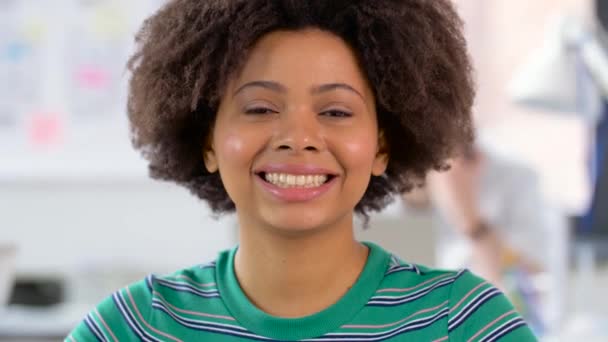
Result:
x=386 y=325
x=397 y=265
x=94 y=328
x=402 y=268
x=186 y=287
x=412 y=287
x=105 y=325
x=408 y=327
x=412 y=302
x=489 y=325
x=384 y=300
x=504 y=329
x=202 y=325
x=159 y=299
x=469 y=308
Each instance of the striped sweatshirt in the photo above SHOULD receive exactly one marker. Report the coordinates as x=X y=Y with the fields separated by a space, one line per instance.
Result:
x=391 y=301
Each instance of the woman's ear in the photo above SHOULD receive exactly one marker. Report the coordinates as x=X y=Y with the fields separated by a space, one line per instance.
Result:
x=209 y=156
x=382 y=156
x=210 y=160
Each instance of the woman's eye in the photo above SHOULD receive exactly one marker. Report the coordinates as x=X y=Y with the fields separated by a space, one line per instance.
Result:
x=259 y=111
x=337 y=114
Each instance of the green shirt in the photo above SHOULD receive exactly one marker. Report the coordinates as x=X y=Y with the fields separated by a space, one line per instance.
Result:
x=390 y=301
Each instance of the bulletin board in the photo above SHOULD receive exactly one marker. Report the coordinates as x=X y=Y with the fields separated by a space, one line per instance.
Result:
x=63 y=89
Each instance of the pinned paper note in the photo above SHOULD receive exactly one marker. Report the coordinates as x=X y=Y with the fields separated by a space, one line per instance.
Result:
x=14 y=51
x=109 y=21
x=46 y=129
x=92 y=77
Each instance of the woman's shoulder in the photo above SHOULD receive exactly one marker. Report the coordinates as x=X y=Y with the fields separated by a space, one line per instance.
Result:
x=410 y=276
x=470 y=306
x=424 y=281
x=128 y=312
x=198 y=281
x=480 y=311
x=195 y=276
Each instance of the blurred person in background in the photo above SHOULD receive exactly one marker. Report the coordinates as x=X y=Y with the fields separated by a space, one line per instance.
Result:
x=490 y=216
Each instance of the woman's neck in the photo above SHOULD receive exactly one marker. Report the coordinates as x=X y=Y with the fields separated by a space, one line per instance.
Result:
x=296 y=276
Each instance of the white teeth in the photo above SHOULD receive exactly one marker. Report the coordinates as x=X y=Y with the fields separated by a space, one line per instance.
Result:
x=290 y=181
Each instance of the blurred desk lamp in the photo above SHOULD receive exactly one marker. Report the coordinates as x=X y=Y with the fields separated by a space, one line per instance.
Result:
x=569 y=74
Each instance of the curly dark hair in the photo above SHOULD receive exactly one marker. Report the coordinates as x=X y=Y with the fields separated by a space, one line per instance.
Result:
x=412 y=52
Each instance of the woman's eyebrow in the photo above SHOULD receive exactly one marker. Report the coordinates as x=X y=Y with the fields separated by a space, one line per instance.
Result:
x=333 y=86
x=315 y=90
x=270 y=85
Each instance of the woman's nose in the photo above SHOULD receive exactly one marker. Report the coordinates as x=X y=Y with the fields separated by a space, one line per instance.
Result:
x=299 y=131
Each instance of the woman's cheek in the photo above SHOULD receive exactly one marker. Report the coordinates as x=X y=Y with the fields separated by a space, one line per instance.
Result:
x=360 y=151
x=234 y=147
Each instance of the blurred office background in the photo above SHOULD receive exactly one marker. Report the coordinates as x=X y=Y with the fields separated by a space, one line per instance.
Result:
x=79 y=218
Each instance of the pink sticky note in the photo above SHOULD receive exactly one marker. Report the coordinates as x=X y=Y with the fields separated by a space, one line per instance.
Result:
x=45 y=129
x=92 y=77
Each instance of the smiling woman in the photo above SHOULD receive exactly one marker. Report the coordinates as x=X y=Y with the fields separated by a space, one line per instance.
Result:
x=297 y=115
x=302 y=110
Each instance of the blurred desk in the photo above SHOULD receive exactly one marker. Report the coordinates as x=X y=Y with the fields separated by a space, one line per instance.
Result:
x=18 y=323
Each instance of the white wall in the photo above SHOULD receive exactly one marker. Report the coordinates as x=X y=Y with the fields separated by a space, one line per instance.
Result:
x=408 y=234
x=150 y=225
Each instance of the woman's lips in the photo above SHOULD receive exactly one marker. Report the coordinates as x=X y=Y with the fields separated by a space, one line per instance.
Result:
x=296 y=194
x=294 y=190
x=295 y=169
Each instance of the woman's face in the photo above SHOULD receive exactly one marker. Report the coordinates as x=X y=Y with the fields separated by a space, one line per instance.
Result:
x=296 y=136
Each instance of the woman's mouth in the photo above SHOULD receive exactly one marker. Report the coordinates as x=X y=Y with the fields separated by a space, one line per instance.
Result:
x=295 y=183
x=286 y=180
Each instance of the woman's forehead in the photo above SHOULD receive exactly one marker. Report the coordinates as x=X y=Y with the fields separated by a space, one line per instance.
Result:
x=302 y=58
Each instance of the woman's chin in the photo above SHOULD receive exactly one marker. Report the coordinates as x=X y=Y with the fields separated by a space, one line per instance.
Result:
x=297 y=225
x=301 y=219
